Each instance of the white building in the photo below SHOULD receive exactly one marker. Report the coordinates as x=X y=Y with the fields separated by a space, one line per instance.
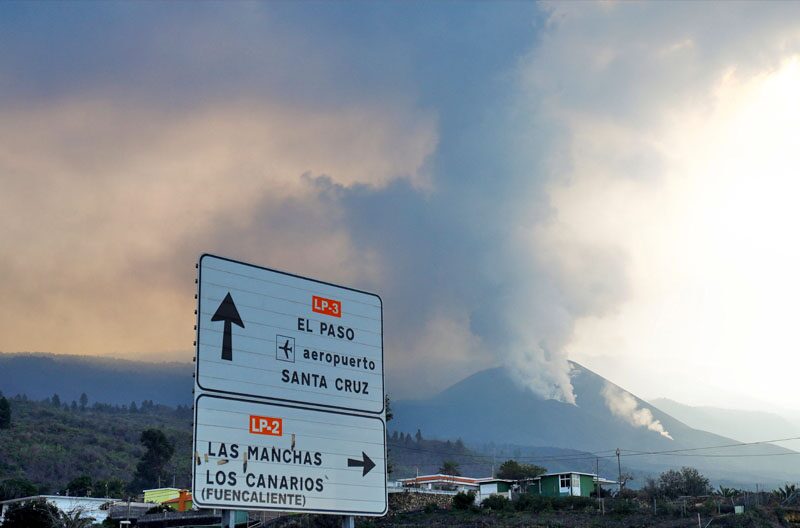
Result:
x=441 y=482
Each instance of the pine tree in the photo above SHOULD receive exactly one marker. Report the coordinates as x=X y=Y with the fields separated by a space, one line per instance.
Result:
x=152 y=466
x=55 y=400
x=84 y=400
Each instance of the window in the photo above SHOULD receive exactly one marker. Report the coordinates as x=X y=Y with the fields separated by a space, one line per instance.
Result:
x=564 y=481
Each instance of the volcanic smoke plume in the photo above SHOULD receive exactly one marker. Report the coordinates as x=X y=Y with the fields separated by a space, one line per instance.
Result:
x=624 y=405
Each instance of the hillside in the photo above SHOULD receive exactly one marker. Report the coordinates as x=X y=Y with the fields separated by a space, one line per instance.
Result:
x=106 y=380
x=746 y=426
x=487 y=411
x=488 y=407
x=51 y=445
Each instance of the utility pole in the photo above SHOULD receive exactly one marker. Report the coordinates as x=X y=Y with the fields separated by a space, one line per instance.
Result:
x=619 y=472
x=597 y=487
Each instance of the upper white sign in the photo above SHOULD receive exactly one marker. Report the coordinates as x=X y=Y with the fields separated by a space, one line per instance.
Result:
x=266 y=334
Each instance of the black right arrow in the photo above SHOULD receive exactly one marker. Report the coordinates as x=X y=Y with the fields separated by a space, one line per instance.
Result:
x=227 y=312
x=366 y=463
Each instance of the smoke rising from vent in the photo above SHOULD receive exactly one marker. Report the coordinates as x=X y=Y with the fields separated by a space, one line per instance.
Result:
x=424 y=180
x=624 y=405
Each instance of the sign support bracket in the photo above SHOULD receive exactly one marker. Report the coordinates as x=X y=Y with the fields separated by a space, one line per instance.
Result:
x=229 y=518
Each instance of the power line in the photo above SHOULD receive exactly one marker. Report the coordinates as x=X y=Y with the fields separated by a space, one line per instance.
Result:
x=581 y=456
x=611 y=453
x=740 y=455
x=724 y=446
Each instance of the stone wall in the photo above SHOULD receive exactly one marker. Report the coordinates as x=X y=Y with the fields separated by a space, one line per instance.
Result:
x=414 y=501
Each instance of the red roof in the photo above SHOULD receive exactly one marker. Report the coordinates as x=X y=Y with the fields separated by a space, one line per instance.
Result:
x=444 y=479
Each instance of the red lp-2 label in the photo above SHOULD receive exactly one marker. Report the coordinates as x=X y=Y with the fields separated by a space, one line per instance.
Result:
x=325 y=306
x=266 y=425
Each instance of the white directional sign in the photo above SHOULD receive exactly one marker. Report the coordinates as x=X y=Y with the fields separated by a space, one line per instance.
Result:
x=289 y=401
x=267 y=334
x=254 y=455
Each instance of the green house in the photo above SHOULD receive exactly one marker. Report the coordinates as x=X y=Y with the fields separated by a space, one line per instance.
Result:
x=570 y=484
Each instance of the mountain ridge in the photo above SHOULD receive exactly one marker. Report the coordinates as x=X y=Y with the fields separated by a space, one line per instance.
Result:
x=489 y=407
x=103 y=379
x=486 y=408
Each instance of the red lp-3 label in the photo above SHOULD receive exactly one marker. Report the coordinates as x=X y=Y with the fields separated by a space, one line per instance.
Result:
x=324 y=306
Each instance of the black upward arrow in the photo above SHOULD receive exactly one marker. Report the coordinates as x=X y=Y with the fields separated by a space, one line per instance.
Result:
x=227 y=312
x=366 y=463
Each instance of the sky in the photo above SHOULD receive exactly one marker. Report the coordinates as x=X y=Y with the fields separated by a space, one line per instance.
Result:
x=523 y=183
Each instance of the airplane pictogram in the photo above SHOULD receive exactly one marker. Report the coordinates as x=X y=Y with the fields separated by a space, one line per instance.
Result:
x=284 y=348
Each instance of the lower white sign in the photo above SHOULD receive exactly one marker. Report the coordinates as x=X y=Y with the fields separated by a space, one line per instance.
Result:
x=258 y=456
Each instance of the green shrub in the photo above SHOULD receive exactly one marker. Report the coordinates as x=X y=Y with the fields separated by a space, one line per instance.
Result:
x=623 y=506
x=533 y=503
x=495 y=502
x=431 y=507
x=576 y=503
x=463 y=501
x=668 y=508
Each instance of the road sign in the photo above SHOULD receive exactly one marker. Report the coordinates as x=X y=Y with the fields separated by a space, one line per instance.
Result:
x=275 y=336
x=289 y=401
x=257 y=455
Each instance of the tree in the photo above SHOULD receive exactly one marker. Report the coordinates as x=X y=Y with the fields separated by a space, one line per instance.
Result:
x=55 y=400
x=152 y=466
x=37 y=513
x=17 y=488
x=132 y=407
x=5 y=413
x=513 y=470
x=694 y=483
x=418 y=436
x=84 y=401
x=80 y=486
x=112 y=487
x=74 y=519
x=676 y=483
x=786 y=491
x=450 y=467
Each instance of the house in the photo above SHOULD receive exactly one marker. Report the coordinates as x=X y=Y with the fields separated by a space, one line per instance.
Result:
x=89 y=506
x=161 y=495
x=182 y=502
x=567 y=484
x=494 y=486
x=441 y=482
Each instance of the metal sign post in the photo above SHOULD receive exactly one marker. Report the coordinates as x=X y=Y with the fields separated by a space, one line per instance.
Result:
x=289 y=397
